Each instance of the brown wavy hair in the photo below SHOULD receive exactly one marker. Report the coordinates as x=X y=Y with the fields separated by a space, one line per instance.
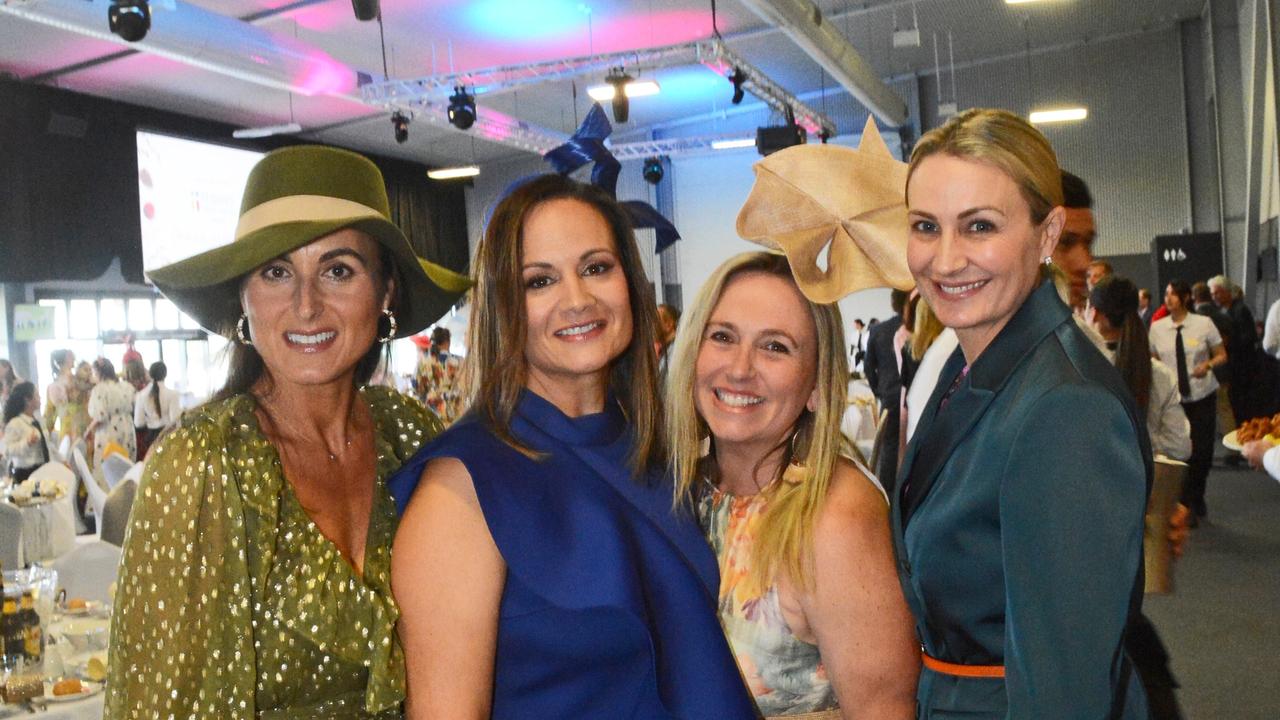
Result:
x=496 y=368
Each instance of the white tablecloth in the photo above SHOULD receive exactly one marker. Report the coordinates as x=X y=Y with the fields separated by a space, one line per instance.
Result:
x=88 y=709
x=48 y=529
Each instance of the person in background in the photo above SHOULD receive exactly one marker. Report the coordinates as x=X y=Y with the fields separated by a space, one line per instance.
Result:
x=438 y=381
x=8 y=378
x=668 y=322
x=541 y=566
x=932 y=344
x=1242 y=350
x=66 y=399
x=882 y=366
x=1003 y=526
x=1144 y=306
x=255 y=577
x=1074 y=251
x=26 y=444
x=155 y=409
x=111 y=412
x=858 y=349
x=135 y=373
x=808 y=593
x=1190 y=344
x=1099 y=270
x=1271 y=331
x=1155 y=389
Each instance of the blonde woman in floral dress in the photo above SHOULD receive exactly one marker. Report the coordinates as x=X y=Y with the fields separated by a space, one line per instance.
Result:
x=111 y=412
x=809 y=595
x=67 y=399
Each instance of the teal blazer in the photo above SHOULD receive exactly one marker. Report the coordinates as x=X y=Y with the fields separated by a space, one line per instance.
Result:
x=1018 y=522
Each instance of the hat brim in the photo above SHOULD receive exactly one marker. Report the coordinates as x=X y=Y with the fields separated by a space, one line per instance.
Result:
x=207 y=286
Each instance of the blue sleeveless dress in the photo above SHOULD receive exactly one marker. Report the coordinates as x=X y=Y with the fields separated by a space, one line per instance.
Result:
x=609 y=607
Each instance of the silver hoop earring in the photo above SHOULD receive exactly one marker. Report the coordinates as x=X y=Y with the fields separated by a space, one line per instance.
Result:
x=391 y=326
x=242 y=330
x=1047 y=260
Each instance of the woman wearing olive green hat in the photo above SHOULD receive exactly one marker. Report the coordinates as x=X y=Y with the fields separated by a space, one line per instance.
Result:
x=255 y=580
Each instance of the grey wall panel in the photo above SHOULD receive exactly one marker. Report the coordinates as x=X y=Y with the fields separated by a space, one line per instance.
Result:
x=1132 y=150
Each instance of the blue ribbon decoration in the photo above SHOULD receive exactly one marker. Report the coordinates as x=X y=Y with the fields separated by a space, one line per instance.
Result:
x=587 y=146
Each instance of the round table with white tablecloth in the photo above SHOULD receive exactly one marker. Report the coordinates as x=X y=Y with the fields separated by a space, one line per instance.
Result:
x=48 y=528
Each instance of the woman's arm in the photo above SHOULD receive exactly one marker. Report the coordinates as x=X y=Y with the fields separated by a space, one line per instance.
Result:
x=856 y=609
x=181 y=634
x=1217 y=358
x=1072 y=507
x=447 y=576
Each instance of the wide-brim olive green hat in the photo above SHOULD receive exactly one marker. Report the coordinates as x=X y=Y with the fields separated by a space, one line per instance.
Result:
x=294 y=196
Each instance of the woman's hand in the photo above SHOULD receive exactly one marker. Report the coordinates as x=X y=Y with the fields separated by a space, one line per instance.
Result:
x=1253 y=452
x=1200 y=370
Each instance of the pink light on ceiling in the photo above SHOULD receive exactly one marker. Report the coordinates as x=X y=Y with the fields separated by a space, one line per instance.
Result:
x=322 y=75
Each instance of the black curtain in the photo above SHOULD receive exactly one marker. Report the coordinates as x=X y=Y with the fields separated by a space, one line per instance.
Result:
x=68 y=168
x=432 y=214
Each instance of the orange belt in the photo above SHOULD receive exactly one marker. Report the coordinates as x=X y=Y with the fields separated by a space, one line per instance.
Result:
x=968 y=671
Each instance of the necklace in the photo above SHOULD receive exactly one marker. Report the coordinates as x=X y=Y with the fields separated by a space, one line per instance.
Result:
x=333 y=457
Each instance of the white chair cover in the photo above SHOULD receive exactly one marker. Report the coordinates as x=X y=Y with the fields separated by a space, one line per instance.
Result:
x=88 y=571
x=97 y=496
x=114 y=468
x=10 y=537
x=115 y=514
x=64 y=449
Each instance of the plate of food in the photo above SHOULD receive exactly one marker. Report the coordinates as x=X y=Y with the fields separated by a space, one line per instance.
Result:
x=69 y=690
x=76 y=607
x=94 y=669
x=1261 y=428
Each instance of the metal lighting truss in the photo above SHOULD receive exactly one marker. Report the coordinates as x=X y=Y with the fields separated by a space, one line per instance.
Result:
x=428 y=96
x=669 y=147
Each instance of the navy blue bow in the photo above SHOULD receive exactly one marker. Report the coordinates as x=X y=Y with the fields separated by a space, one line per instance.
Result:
x=587 y=146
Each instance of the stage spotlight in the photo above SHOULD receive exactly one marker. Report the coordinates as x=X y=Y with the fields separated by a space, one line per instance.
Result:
x=653 y=170
x=400 y=123
x=365 y=9
x=462 y=109
x=737 y=77
x=621 y=105
x=130 y=19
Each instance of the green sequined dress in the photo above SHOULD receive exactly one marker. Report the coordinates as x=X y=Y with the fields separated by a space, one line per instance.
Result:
x=232 y=604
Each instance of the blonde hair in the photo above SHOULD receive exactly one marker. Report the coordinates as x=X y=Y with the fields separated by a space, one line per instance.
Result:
x=927 y=329
x=496 y=369
x=785 y=539
x=1003 y=140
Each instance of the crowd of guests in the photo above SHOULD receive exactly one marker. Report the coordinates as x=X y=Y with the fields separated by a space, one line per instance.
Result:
x=86 y=403
x=606 y=510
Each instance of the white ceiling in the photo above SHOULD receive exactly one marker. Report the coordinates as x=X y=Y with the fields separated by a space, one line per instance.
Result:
x=487 y=33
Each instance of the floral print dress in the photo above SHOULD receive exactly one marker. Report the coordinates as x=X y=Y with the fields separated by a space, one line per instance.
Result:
x=111 y=406
x=783 y=673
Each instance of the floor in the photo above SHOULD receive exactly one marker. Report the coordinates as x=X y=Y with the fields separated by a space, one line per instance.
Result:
x=1222 y=623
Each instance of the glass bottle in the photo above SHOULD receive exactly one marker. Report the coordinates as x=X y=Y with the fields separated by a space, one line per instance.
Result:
x=32 y=633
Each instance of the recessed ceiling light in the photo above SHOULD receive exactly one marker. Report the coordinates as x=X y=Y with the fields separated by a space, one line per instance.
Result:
x=1059 y=115
x=453 y=173
x=636 y=88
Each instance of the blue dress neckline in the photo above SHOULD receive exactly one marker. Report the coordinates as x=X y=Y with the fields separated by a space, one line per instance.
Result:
x=593 y=430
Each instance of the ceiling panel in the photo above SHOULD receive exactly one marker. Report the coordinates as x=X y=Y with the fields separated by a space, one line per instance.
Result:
x=423 y=38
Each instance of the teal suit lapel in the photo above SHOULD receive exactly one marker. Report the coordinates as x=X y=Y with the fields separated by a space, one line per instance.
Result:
x=940 y=432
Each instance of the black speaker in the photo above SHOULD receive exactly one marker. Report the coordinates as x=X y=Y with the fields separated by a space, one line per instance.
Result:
x=770 y=140
x=365 y=9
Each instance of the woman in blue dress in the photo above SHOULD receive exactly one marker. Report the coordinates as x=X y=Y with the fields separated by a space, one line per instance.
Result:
x=540 y=568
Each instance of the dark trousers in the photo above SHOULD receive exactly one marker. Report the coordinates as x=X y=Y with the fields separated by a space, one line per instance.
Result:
x=1203 y=416
x=1151 y=660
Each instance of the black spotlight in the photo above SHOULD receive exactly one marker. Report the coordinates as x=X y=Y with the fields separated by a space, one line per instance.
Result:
x=621 y=104
x=653 y=170
x=366 y=10
x=737 y=77
x=130 y=19
x=400 y=123
x=462 y=109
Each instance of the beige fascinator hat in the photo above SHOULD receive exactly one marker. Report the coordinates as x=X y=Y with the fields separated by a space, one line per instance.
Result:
x=809 y=197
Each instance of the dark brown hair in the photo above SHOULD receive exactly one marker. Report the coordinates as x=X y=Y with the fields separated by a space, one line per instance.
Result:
x=496 y=366
x=104 y=368
x=1117 y=299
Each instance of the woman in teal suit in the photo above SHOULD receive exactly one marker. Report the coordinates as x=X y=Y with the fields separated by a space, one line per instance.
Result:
x=1018 y=519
